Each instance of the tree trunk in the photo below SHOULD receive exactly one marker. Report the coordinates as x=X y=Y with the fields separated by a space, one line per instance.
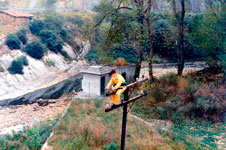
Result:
x=180 y=48
x=150 y=55
x=141 y=44
x=148 y=27
x=179 y=14
x=138 y=66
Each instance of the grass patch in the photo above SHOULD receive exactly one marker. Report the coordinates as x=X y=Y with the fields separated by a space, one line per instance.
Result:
x=29 y=139
x=50 y=63
x=87 y=126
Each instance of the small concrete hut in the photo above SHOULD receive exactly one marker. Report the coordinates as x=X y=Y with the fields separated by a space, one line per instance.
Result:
x=95 y=78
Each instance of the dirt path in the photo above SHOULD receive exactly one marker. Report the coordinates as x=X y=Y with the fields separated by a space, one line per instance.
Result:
x=160 y=70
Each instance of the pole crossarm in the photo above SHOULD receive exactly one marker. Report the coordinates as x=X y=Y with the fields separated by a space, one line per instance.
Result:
x=126 y=102
x=130 y=85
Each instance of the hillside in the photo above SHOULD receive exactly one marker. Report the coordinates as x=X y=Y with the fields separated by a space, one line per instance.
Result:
x=53 y=67
x=194 y=5
x=37 y=75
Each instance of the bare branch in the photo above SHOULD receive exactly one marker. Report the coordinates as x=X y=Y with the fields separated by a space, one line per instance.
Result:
x=102 y=19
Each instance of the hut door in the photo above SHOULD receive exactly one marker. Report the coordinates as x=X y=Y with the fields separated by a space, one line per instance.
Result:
x=102 y=85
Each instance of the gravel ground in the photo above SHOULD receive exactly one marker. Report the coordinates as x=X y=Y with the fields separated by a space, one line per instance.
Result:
x=16 y=117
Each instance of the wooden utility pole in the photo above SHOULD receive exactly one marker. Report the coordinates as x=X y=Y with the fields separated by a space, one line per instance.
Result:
x=124 y=104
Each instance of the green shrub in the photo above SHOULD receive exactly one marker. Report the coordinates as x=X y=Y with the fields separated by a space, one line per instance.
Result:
x=35 y=49
x=63 y=33
x=47 y=35
x=53 y=21
x=23 y=31
x=24 y=60
x=50 y=39
x=36 y=26
x=55 y=45
x=13 y=42
x=98 y=103
x=16 y=67
x=112 y=146
x=92 y=55
x=64 y=53
x=50 y=63
x=175 y=98
x=31 y=139
x=156 y=60
x=22 y=36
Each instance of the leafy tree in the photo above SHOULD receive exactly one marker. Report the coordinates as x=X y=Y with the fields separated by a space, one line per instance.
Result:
x=35 y=49
x=16 y=67
x=128 y=53
x=36 y=26
x=13 y=42
x=132 y=26
x=209 y=33
x=119 y=29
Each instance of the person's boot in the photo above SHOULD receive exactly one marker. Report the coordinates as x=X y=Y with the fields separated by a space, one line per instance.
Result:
x=114 y=105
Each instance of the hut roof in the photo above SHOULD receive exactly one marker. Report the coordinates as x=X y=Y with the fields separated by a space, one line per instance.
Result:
x=17 y=14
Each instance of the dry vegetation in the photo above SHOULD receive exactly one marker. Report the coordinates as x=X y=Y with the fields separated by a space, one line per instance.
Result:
x=86 y=126
x=120 y=62
x=194 y=103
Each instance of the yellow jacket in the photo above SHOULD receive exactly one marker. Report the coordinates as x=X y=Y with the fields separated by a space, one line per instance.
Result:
x=118 y=80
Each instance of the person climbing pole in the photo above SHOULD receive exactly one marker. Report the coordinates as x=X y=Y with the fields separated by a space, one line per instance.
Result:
x=119 y=86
